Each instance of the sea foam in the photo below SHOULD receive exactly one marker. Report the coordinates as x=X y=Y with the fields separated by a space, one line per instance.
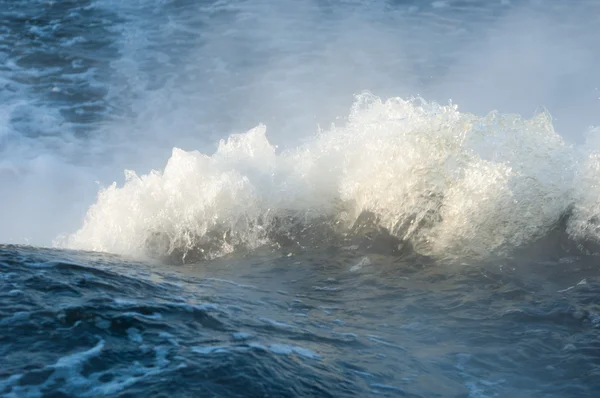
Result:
x=453 y=184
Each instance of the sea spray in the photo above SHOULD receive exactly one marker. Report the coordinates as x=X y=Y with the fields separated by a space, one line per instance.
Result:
x=452 y=184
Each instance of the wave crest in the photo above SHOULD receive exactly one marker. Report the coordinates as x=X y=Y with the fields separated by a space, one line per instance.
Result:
x=452 y=184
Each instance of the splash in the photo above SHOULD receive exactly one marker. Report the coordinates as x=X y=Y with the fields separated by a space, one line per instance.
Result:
x=584 y=223
x=452 y=184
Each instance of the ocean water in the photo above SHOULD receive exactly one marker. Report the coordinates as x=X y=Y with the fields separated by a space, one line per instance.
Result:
x=352 y=198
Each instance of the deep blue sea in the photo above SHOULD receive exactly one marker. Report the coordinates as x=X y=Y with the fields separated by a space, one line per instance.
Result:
x=299 y=198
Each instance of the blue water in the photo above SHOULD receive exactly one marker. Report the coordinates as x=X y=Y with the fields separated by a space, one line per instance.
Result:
x=366 y=242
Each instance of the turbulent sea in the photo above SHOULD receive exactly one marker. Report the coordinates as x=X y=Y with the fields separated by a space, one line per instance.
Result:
x=299 y=198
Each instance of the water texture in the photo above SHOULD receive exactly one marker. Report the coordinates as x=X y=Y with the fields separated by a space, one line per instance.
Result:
x=299 y=198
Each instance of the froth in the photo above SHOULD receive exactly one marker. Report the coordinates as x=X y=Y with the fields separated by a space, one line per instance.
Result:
x=584 y=223
x=453 y=184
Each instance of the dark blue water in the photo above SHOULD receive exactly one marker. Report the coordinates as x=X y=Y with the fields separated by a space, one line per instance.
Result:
x=410 y=250
x=325 y=324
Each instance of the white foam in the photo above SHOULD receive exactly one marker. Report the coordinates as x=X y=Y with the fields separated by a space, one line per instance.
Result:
x=134 y=335
x=377 y=339
x=452 y=183
x=585 y=220
x=257 y=346
x=210 y=349
x=69 y=375
x=133 y=314
x=365 y=261
x=102 y=323
x=279 y=349
x=67 y=368
x=241 y=336
x=276 y=323
x=284 y=349
x=77 y=359
x=16 y=318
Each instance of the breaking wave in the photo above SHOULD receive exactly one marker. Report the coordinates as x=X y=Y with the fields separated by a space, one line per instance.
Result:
x=449 y=184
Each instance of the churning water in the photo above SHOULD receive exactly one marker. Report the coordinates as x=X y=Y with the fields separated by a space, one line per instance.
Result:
x=320 y=198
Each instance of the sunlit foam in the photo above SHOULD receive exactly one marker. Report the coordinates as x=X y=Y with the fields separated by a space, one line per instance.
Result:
x=452 y=184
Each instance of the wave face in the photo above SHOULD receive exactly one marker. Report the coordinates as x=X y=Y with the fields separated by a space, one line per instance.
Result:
x=452 y=184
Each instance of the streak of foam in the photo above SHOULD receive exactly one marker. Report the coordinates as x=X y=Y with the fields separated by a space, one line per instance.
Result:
x=68 y=368
x=69 y=372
